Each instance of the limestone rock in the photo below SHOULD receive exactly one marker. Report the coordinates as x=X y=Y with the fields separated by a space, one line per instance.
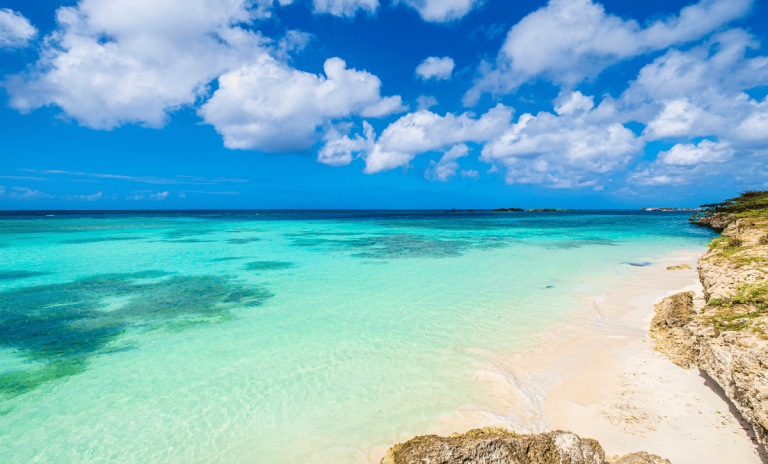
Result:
x=668 y=328
x=639 y=458
x=497 y=446
x=716 y=221
x=680 y=267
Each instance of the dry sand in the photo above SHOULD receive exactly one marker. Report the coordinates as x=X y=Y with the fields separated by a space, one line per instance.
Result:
x=630 y=397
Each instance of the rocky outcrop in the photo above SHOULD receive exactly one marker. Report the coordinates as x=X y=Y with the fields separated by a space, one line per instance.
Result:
x=669 y=328
x=716 y=221
x=498 y=446
x=726 y=333
x=639 y=458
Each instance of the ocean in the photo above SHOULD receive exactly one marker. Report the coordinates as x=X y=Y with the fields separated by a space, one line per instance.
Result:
x=283 y=337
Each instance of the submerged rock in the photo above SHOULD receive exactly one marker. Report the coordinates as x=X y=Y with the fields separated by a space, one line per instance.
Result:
x=497 y=446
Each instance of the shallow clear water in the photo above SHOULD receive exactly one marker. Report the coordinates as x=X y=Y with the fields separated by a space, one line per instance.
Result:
x=282 y=337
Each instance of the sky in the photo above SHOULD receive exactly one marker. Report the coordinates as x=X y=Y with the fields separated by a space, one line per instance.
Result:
x=404 y=104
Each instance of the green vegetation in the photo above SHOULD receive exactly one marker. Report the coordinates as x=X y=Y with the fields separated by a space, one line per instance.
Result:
x=731 y=319
x=748 y=204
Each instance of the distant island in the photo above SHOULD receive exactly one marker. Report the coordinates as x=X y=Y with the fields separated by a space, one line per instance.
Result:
x=671 y=209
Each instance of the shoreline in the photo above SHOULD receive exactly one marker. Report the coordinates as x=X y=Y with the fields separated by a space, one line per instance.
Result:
x=598 y=376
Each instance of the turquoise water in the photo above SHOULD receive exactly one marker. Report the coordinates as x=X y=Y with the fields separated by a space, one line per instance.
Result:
x=283 y=337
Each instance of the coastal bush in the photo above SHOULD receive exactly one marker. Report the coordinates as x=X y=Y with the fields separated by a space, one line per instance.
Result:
x=763 y=240
x=734 y=242
x=748 y=204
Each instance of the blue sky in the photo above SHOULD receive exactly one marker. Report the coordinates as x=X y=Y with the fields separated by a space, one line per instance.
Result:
x=153 y=104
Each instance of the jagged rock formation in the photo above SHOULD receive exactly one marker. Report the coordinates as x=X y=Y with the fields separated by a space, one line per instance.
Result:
x=726 y=333
x=717 y=221
x=498 y=446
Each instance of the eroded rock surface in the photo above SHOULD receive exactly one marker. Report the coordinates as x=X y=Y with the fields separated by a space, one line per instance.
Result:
x=639 y=458
x=726 y=333
x=498 y=446
x=717 y=221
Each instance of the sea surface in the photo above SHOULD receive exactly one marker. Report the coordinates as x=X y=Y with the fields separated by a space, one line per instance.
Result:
x=282 y=337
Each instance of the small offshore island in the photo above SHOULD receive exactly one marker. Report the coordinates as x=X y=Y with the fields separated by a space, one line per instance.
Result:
x=724 y=334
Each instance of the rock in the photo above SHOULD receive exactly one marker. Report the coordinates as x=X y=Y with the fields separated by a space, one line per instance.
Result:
x=497 y=446
x=679 y=268
x=731 y=349
x=639 y=458
x=716 y=221
x=668 y=328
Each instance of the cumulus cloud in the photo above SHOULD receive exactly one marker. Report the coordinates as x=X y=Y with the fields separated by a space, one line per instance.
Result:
x=470 y=173
x=440 y=11
x=425 y=131
x=701 y=93
x=346 y=8
x=569 y=149
x=158 y=196
x=445 y=169
x=15 y=30
x=272 y=107
x=567 y=41
x=136 y=197
x=339 y=149
x=435 y=68
x=133 y=61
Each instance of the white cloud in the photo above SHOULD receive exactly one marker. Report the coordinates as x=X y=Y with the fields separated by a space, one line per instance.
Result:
x=158 y=196
x=346 y=8
x=24 y=193
x=701 y=93
x=690 y=154
x=339 y=149
x=567 y=41
x=470 y=173
x=425 y=131
x=425 y=102
x=445 y=169
x=435 y=68
x=271 y=107
x=182 y=195
x=440 y=11
x=137 y=197
x=572 y=149
x=2 y=190
x=94 y=197
x=133 y=61
x=294 y=41
x=15 y=29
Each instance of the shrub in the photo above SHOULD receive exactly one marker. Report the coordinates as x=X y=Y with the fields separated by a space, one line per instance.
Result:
x=763 y=240
x=734 y=242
